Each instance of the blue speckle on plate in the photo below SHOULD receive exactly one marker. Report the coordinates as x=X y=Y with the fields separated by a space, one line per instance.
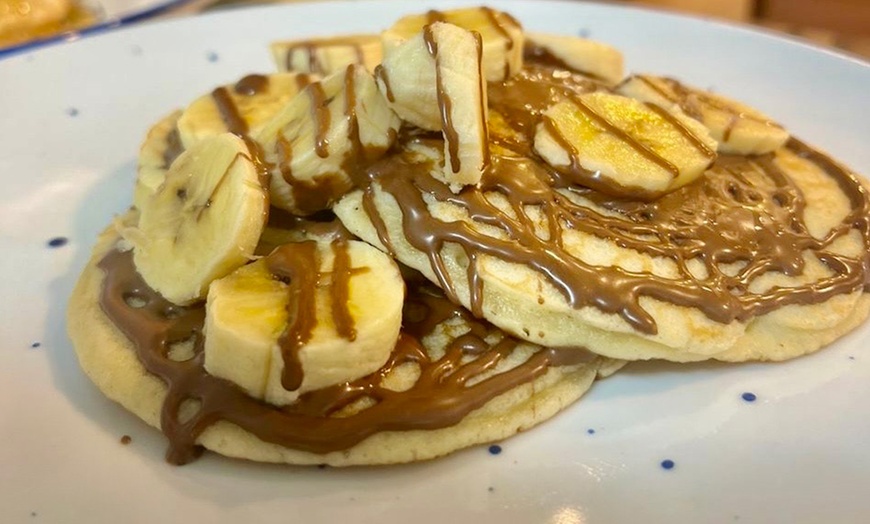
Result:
x=668 y=464
x=748 y=396
x=584 y=33
x=72 y=112
x=58 y=242
x=590 y=431
x=36 y=344
x=495 y=449
x=212 y=56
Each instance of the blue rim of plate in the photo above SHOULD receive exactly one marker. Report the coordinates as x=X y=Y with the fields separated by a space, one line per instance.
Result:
x=106 y=25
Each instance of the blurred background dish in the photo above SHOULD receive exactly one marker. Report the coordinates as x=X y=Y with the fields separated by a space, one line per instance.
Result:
x=29 y=23
x=24 y=20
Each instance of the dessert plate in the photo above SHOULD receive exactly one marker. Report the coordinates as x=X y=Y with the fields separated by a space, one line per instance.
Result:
x=655 y=443
x=110 y=14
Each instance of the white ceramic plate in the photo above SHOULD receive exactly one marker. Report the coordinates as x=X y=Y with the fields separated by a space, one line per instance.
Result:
x=72 y=119
x=111 y=14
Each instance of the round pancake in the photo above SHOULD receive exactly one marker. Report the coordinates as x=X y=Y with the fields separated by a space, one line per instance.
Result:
x=764 y=258
x=111 y=361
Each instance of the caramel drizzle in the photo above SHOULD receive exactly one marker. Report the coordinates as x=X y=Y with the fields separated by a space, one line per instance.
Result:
x=442 y=396
x=255 y=155
x=381 y=73
x=445 y=104
x=626 y=138
x=303 y=80
x=688 y=100
x=320 y=192
x=523 y=98
x=234 y=121
x=495 y=20
x=251 y=85
x=675 y=122
x=297 y=264
x=353 y=162
x=433 y=16
x=743 y=210
x=484 y=139
x=174 y=147
x=321 y=117
x=594 y=179
x=309 y=49
x=340 y=290
x=575 y=173
x=309 y=196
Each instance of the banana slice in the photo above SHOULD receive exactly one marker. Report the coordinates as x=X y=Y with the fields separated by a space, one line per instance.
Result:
x=585 y=56
x=500 y=33
x=310 y=315
x=434 y=81
x=241 y=108
x=202 y=222
x=738 y=128
x=325 y=56
x=623 y=147
x=160 y=147
x=324 y=137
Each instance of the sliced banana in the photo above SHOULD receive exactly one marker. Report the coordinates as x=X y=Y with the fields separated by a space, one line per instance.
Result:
x=623 y=147
x=203 y=221
x=160 y=147
x=585 y=56
x=434 y=81
x=320 y=140
x=738 y=128
x=325 y=56
x=501 y=36
x=310 y=315
x=241 y=108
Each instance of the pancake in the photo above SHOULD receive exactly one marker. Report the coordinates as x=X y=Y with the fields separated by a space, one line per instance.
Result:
x=518 y=290
x=763 y=258
x=452 y=382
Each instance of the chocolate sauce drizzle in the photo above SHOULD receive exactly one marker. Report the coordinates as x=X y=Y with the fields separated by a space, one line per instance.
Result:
x=309 y=49
x=298 y=265
x=174 y=147
x=595 y=179
x=447 y=390
x=691 y=101
x=236 y=124
x=310 y=196
x=445 y=103
x=251 y=85
x=744 y=210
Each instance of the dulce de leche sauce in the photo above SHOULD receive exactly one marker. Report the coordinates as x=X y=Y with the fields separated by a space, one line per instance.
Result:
x=744 y=210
